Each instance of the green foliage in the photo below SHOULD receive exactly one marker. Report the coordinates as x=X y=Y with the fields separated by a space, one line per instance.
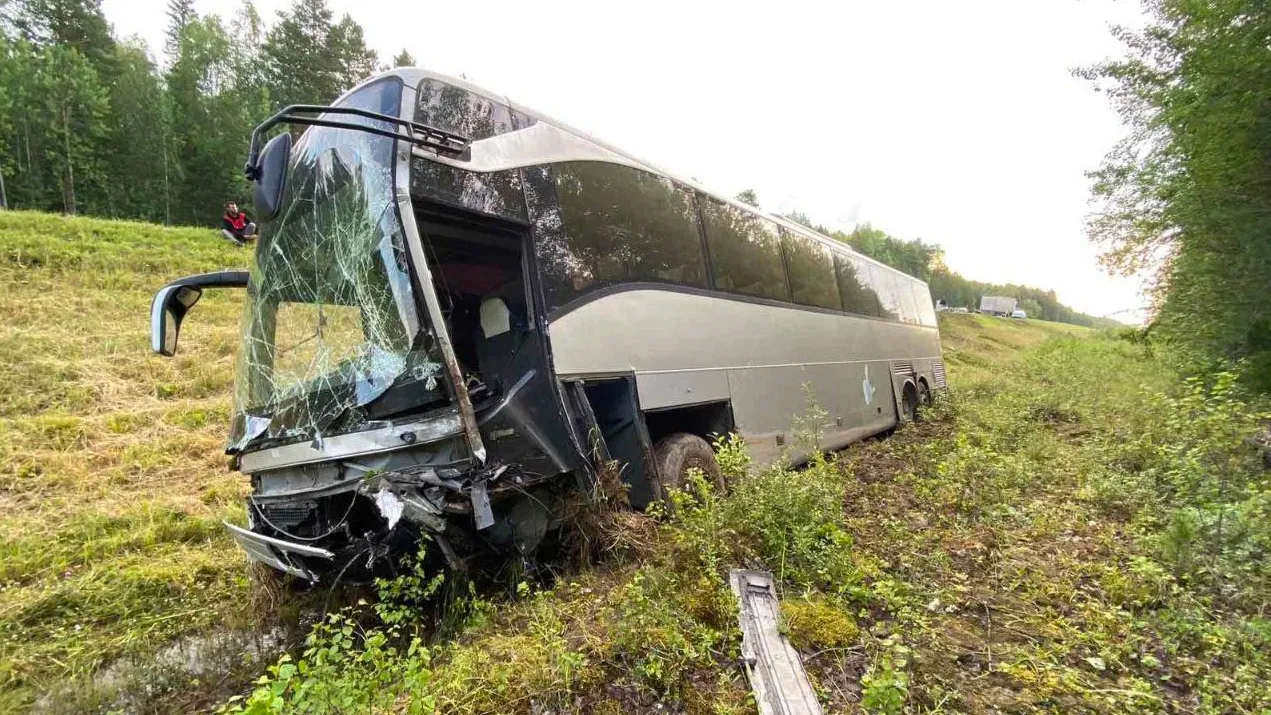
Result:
x=885 y=685
x=347 y=666
x=1183 y=196
x=344 y=669
x=90 y=125
x=309 y=60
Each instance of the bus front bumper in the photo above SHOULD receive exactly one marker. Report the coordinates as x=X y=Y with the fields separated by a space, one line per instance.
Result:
x=278 y=553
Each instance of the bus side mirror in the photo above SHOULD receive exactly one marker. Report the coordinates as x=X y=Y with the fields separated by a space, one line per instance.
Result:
x=174 y=300
x=171 y=304
x=270 y=177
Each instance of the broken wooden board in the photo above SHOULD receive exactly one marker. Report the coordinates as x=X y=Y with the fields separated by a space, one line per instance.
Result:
x=773 y=666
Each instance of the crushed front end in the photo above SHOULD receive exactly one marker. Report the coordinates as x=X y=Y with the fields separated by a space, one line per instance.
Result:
x=393 y=382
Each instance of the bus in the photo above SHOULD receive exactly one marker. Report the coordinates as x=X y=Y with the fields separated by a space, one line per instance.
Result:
x=461 y=309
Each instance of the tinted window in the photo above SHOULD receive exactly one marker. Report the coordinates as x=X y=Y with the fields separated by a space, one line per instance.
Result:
x=745 y=251
x=615 y=224
x=884 y=284
x=905 y=298
x=853 y=279
x=926 y=310
x=497 y=193
x=811 y=270
x=458 y=110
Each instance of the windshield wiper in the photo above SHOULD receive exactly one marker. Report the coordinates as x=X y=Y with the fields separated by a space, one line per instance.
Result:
x=429 y=137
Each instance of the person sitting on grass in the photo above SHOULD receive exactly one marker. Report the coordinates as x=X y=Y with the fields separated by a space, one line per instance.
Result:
x=236 y=225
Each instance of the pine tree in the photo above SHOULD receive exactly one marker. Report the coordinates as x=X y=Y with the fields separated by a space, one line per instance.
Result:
x=180 y=13
x=208 y=135
x=309 y=60
x=74 y=24
x=404 y=59
x=139 y=185
x=354 y=61
x=298 y=67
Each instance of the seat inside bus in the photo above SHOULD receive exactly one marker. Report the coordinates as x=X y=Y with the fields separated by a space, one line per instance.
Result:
x=482 y=293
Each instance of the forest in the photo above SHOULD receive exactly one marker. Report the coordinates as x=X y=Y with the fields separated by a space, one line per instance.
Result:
x=95 y=125
x=1184 y=197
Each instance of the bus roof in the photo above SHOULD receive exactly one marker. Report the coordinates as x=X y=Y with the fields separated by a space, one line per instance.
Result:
x=413 y=75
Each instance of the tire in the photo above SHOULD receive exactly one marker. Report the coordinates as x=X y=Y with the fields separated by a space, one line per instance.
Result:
x=924 y=395
x=676 y=453
x=909 y=404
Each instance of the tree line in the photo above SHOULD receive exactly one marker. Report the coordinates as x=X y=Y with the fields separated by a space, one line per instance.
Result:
x=926 y=261
x=94 y=124
x=1186 y=196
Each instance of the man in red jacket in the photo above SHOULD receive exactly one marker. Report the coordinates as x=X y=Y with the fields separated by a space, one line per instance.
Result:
x=236 y=225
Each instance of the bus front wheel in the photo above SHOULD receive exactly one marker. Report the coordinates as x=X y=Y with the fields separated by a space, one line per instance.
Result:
x=676 y=454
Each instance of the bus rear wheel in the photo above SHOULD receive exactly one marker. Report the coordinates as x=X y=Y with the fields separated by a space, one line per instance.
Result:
x=675 y=454
x=909 y=404
x=924 y=395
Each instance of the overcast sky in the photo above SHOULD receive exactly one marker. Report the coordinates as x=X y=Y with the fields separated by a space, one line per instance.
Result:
x=957 y=123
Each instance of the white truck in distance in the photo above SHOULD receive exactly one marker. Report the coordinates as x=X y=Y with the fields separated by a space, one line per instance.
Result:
x=998 y=305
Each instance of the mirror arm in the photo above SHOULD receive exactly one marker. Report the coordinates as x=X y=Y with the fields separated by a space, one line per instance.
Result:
x=420 y=134
x=215 y=279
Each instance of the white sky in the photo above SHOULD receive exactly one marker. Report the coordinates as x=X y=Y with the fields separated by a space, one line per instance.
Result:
x=959 y=123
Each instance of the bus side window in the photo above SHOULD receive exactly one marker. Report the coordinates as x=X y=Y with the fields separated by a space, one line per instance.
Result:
x=853 y=280
x=905 y=293
x=812 y=280
x=616 y=225
x=885 y=286
x=926 y=310
x=745 y=252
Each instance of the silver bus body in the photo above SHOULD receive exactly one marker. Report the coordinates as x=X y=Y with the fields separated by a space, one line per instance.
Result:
x=546 y=348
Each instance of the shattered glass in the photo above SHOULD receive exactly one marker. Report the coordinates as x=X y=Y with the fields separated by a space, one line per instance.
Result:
x=331 y=323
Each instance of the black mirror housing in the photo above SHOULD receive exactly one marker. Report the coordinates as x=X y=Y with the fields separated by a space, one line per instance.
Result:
x=174 y=300
x=271 y=177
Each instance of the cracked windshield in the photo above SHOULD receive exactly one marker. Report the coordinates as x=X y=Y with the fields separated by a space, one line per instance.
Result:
x=331 y=323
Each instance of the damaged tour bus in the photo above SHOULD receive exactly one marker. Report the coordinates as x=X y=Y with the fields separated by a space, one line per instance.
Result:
x=459 y=307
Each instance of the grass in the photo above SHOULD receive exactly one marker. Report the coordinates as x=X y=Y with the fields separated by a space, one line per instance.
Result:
x=112 y=483
x=1074 y=529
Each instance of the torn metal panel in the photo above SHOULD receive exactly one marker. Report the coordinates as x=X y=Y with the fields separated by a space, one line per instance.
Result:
x=354 y=444
x=277 y=552
x=481 y=510
x=773 y=667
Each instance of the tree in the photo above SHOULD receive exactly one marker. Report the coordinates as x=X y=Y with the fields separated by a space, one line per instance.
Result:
x=140 y=181
x=180 y=13
x=10 y=76
x=73 y=104
x=404 y=59
x=299 y=68
x=748 y=196
x=209 y=129
x=1186 y=196
x=346 y=47
x=73 y=24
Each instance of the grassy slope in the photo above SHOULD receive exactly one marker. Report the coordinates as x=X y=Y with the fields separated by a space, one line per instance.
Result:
x=112 y=485
x=1016 y=552
x=1007 y=554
